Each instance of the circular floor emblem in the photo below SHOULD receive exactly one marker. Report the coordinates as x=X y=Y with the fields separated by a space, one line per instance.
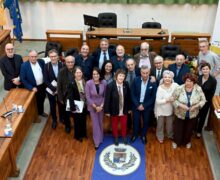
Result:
x=120 y=160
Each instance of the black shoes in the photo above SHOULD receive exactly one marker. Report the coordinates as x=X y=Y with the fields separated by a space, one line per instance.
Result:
x=133 y=139
x=125 y=141
x=54 y=125
x=44 y=115
x=116 y=141
x=67 y=129
x=144 y=140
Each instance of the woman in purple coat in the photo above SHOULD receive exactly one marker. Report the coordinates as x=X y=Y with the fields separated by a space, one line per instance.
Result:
x=95 y=93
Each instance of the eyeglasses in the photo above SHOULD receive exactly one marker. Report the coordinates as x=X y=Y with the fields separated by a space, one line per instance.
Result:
x=144 y=49
x=158 y=63
x=202 y=46
x=69 y=62
x=10 y=49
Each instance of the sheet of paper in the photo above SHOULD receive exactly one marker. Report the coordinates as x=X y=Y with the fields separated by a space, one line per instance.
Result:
x=49 y=91
x=54 y=83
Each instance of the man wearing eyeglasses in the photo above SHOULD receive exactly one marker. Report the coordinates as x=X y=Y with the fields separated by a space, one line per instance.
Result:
x=205 y=55
x=10 y=65
x=144 y=57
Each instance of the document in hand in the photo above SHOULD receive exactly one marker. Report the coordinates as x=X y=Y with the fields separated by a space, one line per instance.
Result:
x=79 y=106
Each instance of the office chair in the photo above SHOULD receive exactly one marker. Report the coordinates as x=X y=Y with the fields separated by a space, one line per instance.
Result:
x=53 y=45
x=153 y=25
x=169 y=51
x=137 y=49
x=72 y=52
x=107 y=20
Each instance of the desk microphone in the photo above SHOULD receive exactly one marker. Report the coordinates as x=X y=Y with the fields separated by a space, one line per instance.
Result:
x=7 y=113
x=162 y=31
x=127 y=30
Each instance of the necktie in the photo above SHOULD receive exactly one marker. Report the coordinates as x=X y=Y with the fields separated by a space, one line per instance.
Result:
x=120 y=98
x=104 y=56
x=131 y=79
x=158 y=75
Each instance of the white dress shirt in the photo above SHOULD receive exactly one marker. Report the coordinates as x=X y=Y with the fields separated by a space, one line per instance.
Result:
x=38 y=74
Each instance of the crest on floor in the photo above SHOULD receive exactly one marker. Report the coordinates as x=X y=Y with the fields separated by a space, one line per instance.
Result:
x=120 y=160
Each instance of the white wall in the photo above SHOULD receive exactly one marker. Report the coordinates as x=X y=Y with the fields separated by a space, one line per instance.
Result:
x=216 y=32
x=40 y=16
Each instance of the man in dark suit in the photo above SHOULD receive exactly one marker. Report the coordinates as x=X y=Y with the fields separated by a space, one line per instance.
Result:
x=51 y=71
x=179 y=69
x=103 y=53
x=119 y=59
x=10 y=65
x=85 y=61
x=156 y=72
x=144 y=57
x=32 y=77
x=143 y=94
x=65 y=79
x=131 y=73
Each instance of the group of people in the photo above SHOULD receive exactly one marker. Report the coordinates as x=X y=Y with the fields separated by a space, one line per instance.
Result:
x=123 y=88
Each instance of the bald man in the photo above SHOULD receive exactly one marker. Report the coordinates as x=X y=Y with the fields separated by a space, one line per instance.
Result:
x=119 y=59
x=32 y=77
x=144 y=57
x=85 y=61
x=10 y=65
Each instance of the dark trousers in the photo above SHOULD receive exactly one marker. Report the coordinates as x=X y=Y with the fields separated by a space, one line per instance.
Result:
x=183 y=130
x=53 y=100
x=146 y=119
x=202 y=116
x=40 y=97
x=129 y=121
x=80 y=124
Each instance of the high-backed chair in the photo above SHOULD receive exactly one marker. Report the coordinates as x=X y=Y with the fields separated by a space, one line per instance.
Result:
x=107 y=20
x=53 y=45
x=153 y=25
x=72 y=52
x=169 y=51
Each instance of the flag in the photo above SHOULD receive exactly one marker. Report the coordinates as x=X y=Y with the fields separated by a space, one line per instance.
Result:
x=2 y=14
x=15 y=15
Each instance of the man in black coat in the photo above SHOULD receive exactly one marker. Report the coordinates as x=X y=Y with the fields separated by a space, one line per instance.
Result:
x=51 y=71
x=85 y=61
x=103 y=53
x=65 y=79
x=156 y=72
x=10 y=65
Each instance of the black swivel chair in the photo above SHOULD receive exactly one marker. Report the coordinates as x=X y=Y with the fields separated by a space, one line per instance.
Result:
x=53 y=45
x=152 y=25
x=170 y=51
x=107 y=20
x=72 y=52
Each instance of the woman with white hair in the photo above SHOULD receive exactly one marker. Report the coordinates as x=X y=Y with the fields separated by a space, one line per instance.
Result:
x=163 y=106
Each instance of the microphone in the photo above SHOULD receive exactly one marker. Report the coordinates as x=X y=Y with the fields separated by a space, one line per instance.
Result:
x=7 y=113
x=127 y=30
x=153 y=19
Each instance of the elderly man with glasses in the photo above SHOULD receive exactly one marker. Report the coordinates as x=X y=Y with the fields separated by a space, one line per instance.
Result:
x=144 y=57
x=10 y=65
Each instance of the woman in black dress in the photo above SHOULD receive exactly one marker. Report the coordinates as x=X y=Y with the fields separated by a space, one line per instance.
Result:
x=208 y=85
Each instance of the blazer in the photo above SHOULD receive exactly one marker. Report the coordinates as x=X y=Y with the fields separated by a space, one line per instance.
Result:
x=97 y=53
x=86 y=65
x=73 y=94
x=92 y=96
x=208 y=87
x=150 y=94
x=183 y=70
x=27 y=76
x=153 y=73
x=111 y=105
x=197 y=98
x=49 y=75
x=63 y=84
x=119 y=64
x=9 y=72
x=137 y=59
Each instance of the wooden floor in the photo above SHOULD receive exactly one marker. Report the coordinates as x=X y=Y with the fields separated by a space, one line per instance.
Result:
x=58 y=156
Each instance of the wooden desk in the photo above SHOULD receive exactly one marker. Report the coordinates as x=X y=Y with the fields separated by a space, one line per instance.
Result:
x=20 y=122
x=4 y=39
x=68 y=38
x=214 y=121
x=188 y=41
x=127 y=39
x=7 y=159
